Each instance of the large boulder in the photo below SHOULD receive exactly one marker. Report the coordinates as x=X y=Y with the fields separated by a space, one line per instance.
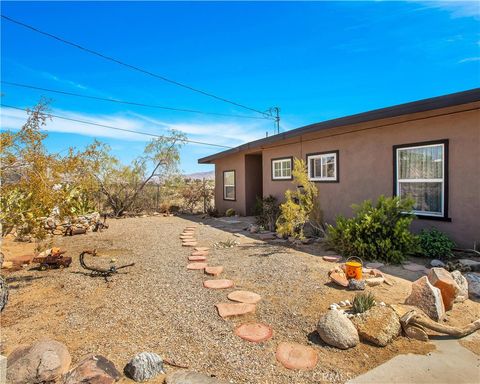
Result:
x=462 y=283
x=441 y=278
x=190 y=377
x=94 y=369
x=337 y=330
x=473 y=285
x=428 y=298
x=44 y=361
x=144 y=366
x=379 y=325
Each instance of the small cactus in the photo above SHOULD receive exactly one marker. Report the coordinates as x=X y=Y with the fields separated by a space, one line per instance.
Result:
x=363 y=302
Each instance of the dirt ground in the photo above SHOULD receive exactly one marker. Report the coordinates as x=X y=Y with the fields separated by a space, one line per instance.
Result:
x=161 y=307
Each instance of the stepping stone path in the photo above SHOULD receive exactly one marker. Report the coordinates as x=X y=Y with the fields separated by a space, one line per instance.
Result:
x=189 y=244
x=197 y=258
x=296 y=356
x=234 y=309
x=254 y=332
x=218 y=284
x=244 y=297
x=214 y=271
x=200 y=249
x=199 y=253
x=332 y=259
x=197 y=266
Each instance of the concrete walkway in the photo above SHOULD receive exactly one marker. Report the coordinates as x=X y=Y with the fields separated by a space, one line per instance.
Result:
x=449 y=363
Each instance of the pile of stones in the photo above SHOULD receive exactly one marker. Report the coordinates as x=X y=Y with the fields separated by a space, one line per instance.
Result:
x=57 y=227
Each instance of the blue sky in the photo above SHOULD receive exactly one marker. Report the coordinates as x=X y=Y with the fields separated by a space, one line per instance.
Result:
x=315 y=60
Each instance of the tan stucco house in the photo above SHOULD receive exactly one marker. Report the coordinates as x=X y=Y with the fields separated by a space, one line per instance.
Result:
x=428 y=149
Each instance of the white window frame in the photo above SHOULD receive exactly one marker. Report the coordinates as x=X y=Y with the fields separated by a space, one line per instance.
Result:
x=321 y=156
x=398 y=181
x=282 y=161
x=229 y=185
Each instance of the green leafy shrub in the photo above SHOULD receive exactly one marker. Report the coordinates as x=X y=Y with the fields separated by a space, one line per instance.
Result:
x=376 y=232
x=299 y=203
x=435 y=244
x=362 y=302
x=230 y=212
x=267 y=211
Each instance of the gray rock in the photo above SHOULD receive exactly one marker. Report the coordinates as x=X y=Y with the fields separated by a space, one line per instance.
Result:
x=437 y=263
x=3 y=293
x=462 y=293
x=380 y=325
x=43 y=361
x=94 y=369
x=474 y=265
x=356 y=285
x=337 y=330
x=144 y=366
x=374 y=265
x=473 y=285
x=190 y=377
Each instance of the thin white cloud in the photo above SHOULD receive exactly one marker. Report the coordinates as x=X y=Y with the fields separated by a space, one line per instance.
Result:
x=226 y=133
x=469 y=59
x=455 y=8
x=74 y=84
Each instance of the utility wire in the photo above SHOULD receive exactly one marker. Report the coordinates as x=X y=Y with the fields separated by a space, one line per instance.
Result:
x=138 y=69
x=117 y=128
x=129 y=102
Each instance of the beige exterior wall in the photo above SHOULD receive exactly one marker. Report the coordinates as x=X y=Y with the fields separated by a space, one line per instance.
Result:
x=237 y=164
x=366 y=165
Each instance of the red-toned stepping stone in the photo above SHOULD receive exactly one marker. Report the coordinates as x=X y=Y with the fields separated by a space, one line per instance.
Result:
x=339 y=279
x=218 y=284
x=200 y=253
x=189 y=244
x=332 y=259
x=197 y=266
x=296 y=356
x=234 y=309
x=197 y=258
x=255 y=332
x=184 y=237
x=214 y=271
x=244 y=297
x=191 y=227
x=202 y=249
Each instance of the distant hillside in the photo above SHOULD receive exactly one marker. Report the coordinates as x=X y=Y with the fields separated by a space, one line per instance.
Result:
x=201 y=175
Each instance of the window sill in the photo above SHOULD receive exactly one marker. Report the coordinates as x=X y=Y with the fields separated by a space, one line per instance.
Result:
x=434 y=218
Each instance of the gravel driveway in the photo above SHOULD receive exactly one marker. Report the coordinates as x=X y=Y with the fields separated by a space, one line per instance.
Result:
x=160 y=306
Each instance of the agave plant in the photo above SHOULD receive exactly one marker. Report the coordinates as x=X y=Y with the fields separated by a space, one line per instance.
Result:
x=363 y=302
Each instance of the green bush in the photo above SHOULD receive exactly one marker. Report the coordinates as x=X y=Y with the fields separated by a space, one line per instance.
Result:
x=267 y=211
x=376 y=232
x=230 y=212
x=435 y=244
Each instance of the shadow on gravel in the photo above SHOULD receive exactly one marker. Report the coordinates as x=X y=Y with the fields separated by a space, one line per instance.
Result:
x=314 y=338
x=15 y=282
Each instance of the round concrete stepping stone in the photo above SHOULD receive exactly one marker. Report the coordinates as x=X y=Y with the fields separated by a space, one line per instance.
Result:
x=197 y=258
x=218 y=284
x=200 y=253
x=296 y=356
x=201 y=249
x=189 y=244
x=244 y=297
x=214 y=271
x=186 y=237
x=234 y=309
x=254 y=332
x=197 y=266
x=332 y=259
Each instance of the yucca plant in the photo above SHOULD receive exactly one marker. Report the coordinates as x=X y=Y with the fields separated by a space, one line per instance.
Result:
x=363 y=302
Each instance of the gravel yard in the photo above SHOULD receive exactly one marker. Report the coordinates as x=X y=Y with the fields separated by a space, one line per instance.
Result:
x=160 y=306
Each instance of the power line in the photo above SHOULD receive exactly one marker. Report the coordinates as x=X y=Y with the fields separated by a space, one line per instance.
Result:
x=129 y=102
x=117 y=128
x=138 y=69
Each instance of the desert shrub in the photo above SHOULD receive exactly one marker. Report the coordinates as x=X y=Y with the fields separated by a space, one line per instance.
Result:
x=213 y=212
x=230 y=212
x=378 y=232
x=362 y=302
x=299 y=203
x=435 y=244
x=266 y=212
